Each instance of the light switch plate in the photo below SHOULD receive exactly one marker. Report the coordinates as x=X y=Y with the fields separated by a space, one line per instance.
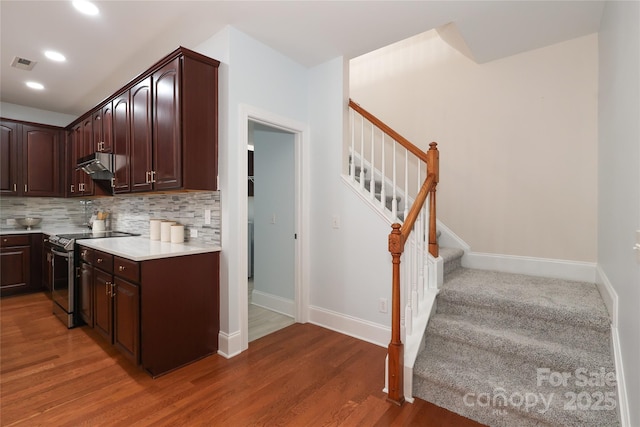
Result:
x=207 y=216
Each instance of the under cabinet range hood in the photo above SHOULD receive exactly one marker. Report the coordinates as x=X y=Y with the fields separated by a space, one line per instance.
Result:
x=99 y=166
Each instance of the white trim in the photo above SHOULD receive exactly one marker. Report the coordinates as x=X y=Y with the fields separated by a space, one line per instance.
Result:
x=352 y=326
x=623 y=402
x=610 y=298
x=274 y=303
x=248 y=113
x=542 y=267
x=449 y=239
x=608 y=294
x=229 y=345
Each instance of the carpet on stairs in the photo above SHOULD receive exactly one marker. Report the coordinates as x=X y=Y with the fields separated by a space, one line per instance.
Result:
x=513 y=350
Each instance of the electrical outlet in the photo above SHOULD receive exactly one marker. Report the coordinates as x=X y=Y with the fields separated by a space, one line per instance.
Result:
x=207 y=216
x=193 y=232
x=382 y=305
x=11 y=221
x=335 y=221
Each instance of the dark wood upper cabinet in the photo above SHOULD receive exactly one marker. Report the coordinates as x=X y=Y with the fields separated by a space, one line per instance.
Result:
x=141 y=136
x=41 y=148
x=107 y=128
x=96 y=131
x=31 y=157
x=164 y=125
x=9 y=165
x=167 y=138
x=121 y=143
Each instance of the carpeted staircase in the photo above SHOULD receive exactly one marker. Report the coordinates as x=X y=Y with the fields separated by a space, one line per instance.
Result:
x=513 y=350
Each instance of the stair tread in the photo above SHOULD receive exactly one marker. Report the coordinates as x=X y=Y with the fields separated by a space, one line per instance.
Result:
x=572 y=303
x=519 y=342
x=458 y=367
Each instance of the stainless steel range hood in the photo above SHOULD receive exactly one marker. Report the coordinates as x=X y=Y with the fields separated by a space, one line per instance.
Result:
x=99 y=166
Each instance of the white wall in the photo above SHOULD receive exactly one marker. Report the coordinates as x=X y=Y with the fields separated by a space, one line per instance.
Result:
x=274 y=216
x=251 y=74
x=619 y=178
x=351 y=266
x=517 y=137
x=35 y=115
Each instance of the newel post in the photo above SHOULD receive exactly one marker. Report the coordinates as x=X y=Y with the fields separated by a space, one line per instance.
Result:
x=395 y=392
x=433 y=166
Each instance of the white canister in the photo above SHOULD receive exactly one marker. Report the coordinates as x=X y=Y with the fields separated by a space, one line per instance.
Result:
x=177 y=233
x=98 y=225
x=165 y=230
x=154 y=229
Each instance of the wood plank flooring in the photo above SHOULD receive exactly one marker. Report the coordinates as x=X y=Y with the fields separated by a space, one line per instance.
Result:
x=302 y=375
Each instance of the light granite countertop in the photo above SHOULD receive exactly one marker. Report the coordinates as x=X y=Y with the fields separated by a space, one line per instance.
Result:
x=135 y=248
x=143 y=249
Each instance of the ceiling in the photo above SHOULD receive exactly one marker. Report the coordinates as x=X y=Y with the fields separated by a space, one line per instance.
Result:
x=106 y=51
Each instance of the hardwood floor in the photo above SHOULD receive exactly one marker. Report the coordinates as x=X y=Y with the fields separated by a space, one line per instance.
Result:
x=302 y=375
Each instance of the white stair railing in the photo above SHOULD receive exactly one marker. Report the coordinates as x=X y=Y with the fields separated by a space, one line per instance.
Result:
x=379 y=166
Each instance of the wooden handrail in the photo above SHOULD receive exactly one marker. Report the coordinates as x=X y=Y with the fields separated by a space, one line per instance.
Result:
x=386 y=129
x=397 y=239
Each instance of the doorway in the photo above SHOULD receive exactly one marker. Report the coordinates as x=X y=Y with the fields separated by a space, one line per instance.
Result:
x=271 y=209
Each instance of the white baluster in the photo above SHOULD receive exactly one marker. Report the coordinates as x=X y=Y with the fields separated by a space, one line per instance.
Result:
x=383 y=193
x=420 y=240
x=352 y=149
x=394 y=199
x=362 y=154
x=406 y=183
x=408 y=312
x=414 y=273
x=372 y=183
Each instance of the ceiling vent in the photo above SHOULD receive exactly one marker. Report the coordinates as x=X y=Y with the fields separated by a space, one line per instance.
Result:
x=23 y=63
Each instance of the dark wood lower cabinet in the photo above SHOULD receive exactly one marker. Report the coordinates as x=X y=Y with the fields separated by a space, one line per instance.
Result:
x=161 y=313
x=85 y=281
x=102 y=303
x=126 y=318
x=20 y=263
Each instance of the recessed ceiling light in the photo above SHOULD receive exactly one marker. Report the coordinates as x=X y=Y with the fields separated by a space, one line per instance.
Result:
x=55 y=56
x=35 y=85
x=86 y=7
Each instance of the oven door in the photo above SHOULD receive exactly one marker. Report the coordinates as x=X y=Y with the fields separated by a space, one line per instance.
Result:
x=62 y=285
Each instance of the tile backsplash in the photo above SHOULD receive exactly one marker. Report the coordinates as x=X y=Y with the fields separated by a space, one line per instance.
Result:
x=129 y=213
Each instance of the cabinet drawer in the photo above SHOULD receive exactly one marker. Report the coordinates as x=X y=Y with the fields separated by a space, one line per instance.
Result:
x=20 y=240
x=103 y=261
x=86 y=254
x=126 y=269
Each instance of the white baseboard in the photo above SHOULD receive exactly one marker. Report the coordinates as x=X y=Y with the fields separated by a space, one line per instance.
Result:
x=274 y=303
x=348 y=325
x=623 y=402
x=229 y=345
x=542 y=267
x=608 y=294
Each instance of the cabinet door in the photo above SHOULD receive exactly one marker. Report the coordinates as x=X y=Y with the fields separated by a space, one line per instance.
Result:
x=86 y=148
x=9 y=160
x=75 y=152
x=96 y=130
x=14 y=264
x=41 y=152
x=102 y=304
x=86 y=293
x=126 y=319
x=121 y=143
x=141 y=141
x=167 y=138
x=107 y=128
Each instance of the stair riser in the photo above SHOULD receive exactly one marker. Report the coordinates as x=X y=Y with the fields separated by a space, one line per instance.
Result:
x=544 y=329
